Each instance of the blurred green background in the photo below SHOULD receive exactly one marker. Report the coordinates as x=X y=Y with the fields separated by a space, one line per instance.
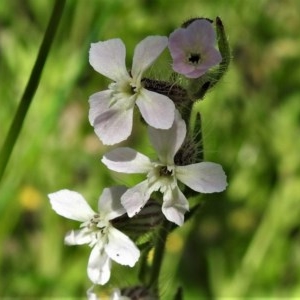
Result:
x=245 y=242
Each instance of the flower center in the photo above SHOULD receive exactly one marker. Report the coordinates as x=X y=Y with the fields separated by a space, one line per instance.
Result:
x=98 y=228
x=96 y=224
x=95 y=219
x=123 y=94
x=164 y=171
x=194 y=58
x=161 y=177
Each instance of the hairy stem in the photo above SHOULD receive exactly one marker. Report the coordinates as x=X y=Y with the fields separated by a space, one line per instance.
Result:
x=158 y=255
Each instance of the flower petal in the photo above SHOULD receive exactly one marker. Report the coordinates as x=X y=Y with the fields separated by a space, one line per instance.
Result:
x=145 y=53
x=174 y=206
x=212 y=58
x=126 y=160
x=196 y=73
x=109 y=204
x=201 y=32
x=71 y=205
x=179 y=44
x=99 y=103
x=108 y=58
x=204 y=177
x=99 y=265
x=182 y=67
x=135 y=198
x=121 y=249
x=114 y=125
x=78 y=237
x=167 y=142
x=156 y=109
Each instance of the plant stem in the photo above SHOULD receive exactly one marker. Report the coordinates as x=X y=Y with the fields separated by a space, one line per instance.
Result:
x=31 y=86
x=158 y=255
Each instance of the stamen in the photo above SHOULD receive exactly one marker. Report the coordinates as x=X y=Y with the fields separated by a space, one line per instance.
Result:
x=95 y=219
x=163 y=171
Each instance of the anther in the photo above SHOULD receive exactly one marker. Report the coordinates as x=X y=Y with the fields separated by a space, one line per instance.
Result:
x=163 y=171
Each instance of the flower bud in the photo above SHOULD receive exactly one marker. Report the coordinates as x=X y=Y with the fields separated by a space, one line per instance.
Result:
x=191 y=151
x=174 y=91
x=138 y=293
x=187 y=154
x=149 y=218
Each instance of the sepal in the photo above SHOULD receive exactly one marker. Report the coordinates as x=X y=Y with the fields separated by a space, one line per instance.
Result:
x=142 y=224
x=175 y=92
x=191 y=151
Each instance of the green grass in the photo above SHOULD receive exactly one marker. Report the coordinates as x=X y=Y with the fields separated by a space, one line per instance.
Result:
x=245 y=242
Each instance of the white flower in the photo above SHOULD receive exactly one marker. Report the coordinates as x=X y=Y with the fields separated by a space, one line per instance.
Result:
x=111 y=111
x=96 y=230
x=162 y=175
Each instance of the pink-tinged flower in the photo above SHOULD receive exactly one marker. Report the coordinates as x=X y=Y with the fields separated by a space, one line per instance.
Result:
x=107 y=242
x=162 y=174
x=192 y=49
x=111 y=111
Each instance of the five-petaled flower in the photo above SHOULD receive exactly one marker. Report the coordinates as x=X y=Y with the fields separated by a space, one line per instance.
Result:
x=96 y=230
x=111 y=111
x=192 y=49
x=162 y=174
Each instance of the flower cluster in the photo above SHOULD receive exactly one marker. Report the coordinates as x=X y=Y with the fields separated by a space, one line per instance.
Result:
x=168 y=174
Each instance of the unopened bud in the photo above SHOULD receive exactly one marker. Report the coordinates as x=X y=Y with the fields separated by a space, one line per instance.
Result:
x=138 y=293
x=174 y=91
x=149 y=218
